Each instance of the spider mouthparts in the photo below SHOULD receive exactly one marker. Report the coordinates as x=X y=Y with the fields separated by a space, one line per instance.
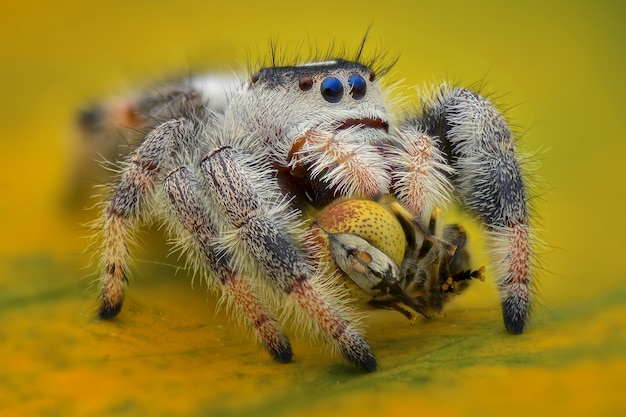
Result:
x=374 y=123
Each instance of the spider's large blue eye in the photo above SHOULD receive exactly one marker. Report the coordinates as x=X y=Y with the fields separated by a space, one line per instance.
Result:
x=332 y=90
x=358 y=86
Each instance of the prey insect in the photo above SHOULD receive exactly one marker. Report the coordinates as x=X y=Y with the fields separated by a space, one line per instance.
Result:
x=301 y=192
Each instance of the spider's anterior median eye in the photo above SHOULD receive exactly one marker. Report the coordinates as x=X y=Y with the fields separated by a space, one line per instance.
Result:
x=358 y=86
x=305 y=83
x=332 y=90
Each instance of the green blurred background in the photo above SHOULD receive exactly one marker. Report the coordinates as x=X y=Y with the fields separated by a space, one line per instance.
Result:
x=557 y=66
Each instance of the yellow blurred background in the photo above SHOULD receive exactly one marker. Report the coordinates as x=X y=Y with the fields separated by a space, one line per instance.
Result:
x=557 y=66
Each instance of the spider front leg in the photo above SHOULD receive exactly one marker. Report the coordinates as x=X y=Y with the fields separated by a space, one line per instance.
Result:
x=182 y=191
x=132 y=204
x=420 y=182
x=489 y=181
x=259 y=226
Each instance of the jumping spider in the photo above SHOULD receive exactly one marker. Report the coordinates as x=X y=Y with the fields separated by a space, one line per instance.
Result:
x=245 y=189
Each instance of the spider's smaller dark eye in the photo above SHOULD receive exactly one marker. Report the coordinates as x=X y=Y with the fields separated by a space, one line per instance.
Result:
x=358 y=86
x=332 y=90
x=255 y=77
x=372 y=75
x=305 y=83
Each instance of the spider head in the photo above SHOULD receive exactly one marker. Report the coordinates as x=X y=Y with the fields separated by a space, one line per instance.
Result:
x=287 y=111
x=331 y=96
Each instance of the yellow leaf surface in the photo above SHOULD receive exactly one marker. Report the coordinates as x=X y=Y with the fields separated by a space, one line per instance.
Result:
x=169 y=353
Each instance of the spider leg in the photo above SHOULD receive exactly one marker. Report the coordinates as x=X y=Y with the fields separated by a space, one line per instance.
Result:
x=181 y=189
x=113 y=129
x=489 y=182
x=132 y=204
x=420 y=176
x=139 y=113
x=260 y=225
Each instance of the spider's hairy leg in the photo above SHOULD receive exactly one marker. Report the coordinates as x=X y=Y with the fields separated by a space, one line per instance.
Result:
x=420 y=174
x=490 y=183
x=181 y=188
x=420 y=178
x=260 y=226
x=131 y=205
x=104 y=126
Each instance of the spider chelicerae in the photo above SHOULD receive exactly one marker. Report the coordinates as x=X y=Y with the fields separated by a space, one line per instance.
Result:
x=296 y=184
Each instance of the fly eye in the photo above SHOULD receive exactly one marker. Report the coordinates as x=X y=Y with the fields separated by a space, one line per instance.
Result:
x=358 y=86
x=332 y=90
x=305 y=83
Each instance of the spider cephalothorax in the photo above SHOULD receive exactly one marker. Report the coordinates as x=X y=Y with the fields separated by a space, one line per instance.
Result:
x=322 y=121
x=301 y=178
